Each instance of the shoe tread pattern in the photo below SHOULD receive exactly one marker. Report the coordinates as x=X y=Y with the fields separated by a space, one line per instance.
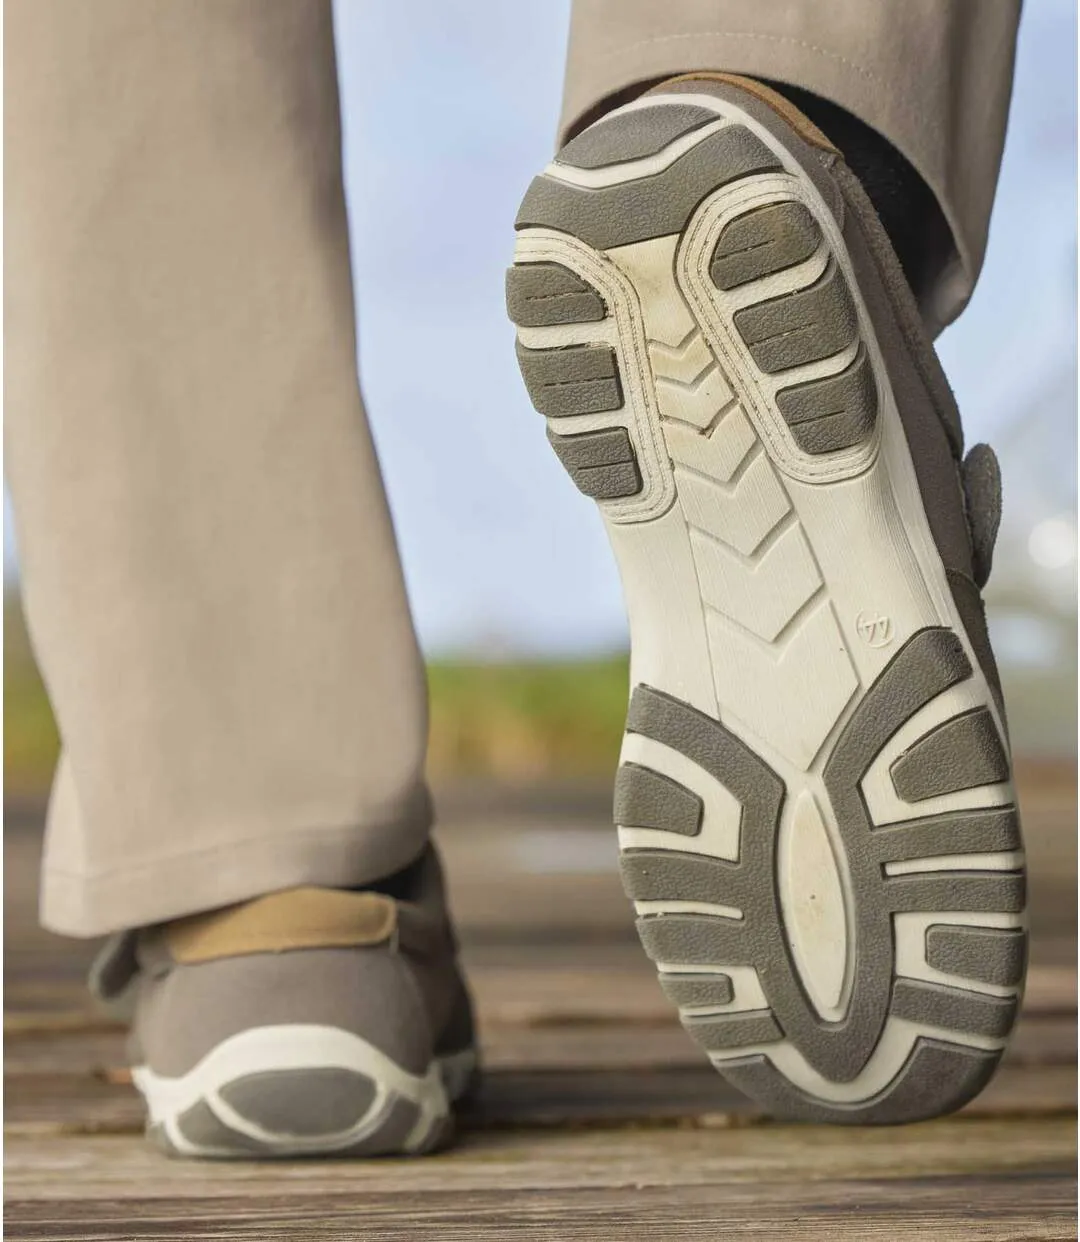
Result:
x=717 y=927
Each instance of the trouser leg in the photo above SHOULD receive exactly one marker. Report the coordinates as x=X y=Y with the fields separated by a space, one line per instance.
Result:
x=208 y=565
x=934 y=77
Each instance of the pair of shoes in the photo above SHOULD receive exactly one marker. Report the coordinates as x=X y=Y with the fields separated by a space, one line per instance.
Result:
x=817 y=824
x=311 y=1021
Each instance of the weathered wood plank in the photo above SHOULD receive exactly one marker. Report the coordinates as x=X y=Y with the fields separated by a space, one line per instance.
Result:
x=63 y=1104
x=698 y=1096
x=526 y=985
x=597 y=1043
x=109 y=1167
x=944 y=1209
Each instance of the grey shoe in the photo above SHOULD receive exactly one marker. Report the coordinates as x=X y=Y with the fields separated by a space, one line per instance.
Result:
x=308 y=1022
x=817 y=824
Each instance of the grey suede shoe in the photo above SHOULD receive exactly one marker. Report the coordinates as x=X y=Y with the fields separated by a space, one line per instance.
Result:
x=308 y=1022
x=816 y=819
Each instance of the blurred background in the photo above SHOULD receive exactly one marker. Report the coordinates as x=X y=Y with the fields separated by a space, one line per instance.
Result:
x=449 y=109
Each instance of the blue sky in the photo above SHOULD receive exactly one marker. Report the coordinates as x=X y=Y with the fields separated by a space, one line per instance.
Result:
x=447 y=118
x=449 y=108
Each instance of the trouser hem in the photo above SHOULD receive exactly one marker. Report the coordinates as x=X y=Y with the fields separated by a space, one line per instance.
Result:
x=173 y=886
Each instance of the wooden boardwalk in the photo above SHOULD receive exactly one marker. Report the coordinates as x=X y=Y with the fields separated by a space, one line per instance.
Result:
x=598 y=1118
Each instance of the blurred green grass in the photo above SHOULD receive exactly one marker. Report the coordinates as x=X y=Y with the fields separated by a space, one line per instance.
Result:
x=30 y=739
x=515 y=722
x=527 y=721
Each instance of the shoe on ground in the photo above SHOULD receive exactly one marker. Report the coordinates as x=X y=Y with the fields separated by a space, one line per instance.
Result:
x=311 y=1021
x=816 y=820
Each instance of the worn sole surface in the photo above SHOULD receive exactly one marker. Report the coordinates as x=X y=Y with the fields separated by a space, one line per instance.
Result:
x=302 y=1090
x=815 y=814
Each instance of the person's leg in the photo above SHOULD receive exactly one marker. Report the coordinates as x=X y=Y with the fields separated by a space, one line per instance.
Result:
x=932 y=76
x=207 y=561
x=212 y=583
x=815 y=813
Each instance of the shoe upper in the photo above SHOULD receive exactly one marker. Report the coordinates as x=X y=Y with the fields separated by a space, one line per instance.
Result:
x=380 y=966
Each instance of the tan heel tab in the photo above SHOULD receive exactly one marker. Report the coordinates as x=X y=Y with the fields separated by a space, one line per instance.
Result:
x=298 y=918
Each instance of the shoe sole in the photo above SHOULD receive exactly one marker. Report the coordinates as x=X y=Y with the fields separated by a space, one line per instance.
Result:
x=814 y=807
x=302 y=1090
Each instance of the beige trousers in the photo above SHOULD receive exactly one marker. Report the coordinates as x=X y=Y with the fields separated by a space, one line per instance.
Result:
x=208 y=566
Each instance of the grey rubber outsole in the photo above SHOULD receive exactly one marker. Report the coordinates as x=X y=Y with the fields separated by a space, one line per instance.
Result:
x=304 y=1113
x=926 y=666
x=960 y=1025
